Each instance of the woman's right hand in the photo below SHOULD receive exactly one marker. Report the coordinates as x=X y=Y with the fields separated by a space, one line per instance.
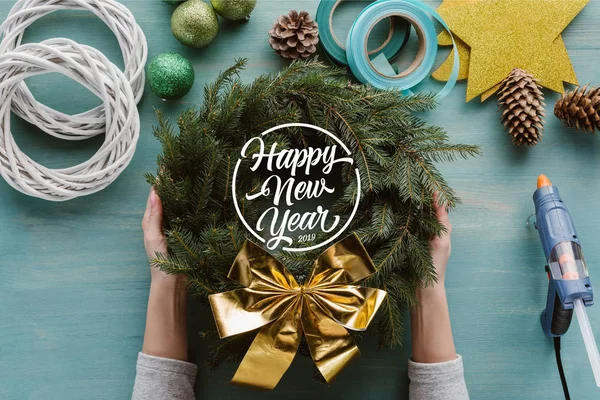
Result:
x=440 y=246
x=431 y=332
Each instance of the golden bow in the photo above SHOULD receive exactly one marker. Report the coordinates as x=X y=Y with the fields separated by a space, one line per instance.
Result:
x=322 y=308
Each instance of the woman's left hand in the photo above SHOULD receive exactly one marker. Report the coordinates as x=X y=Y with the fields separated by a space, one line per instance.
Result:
x=166 y=322
x=154 y=238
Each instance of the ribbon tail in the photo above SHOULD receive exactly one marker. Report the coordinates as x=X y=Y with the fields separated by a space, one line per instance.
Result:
x=330 y=344
x=271 y=353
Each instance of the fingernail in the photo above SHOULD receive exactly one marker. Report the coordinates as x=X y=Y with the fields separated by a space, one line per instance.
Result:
x=153 y=197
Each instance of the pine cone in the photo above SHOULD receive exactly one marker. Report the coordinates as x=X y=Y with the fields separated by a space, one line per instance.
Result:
x=580 y=108
x=294 y=35
x=523 y=103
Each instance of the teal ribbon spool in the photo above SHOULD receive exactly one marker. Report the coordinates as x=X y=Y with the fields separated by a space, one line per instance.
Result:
x=377 y=71
x=335 y=50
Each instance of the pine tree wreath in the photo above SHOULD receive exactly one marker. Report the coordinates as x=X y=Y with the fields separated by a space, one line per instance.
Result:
x=394 y=150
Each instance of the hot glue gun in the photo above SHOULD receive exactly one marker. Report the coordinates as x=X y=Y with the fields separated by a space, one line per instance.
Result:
x=569 y=285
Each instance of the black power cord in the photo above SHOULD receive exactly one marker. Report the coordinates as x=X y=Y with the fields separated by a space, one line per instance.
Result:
x=561 y=371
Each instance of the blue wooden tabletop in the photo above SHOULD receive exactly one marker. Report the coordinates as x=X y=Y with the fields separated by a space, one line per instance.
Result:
x=74 y=277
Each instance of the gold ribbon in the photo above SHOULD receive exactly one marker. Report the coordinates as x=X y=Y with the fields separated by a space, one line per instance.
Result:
x=322 y=308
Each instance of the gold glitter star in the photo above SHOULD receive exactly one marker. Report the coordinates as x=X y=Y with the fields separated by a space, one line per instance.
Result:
x=444 y=39
x=464 y=53
x=534 y=42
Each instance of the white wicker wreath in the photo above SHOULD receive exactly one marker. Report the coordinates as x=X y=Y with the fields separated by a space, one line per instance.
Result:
x=134 y=49
x=94 y=71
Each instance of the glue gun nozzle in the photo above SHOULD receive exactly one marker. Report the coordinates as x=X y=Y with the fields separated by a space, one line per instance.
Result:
x=543 y=181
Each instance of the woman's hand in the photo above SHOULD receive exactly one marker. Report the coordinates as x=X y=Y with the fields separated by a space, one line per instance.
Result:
x=431 y=333
x=154 y=239
x=166 y=321
x=440 y=246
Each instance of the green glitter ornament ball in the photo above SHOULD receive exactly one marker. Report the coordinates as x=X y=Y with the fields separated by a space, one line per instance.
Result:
x=194 y=23
x=173 y=2
x=233 y=9
x=171 y=76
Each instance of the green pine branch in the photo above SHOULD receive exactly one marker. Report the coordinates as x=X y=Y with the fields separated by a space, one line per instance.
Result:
x=395 y=151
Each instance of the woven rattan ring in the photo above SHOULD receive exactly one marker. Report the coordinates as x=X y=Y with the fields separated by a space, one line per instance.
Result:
x=93 y=70
x=134 y=49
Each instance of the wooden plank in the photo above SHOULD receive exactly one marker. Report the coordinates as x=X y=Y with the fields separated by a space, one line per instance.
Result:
x=74 y=279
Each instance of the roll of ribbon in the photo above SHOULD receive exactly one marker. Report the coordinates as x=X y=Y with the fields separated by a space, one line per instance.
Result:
x=336 y=51
x=377 y=71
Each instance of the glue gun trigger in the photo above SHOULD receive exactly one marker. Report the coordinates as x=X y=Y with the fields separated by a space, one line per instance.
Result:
x=528 y=218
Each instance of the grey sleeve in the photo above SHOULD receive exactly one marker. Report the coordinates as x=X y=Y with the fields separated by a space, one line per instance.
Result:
x=163 y=379
x=440 y=381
